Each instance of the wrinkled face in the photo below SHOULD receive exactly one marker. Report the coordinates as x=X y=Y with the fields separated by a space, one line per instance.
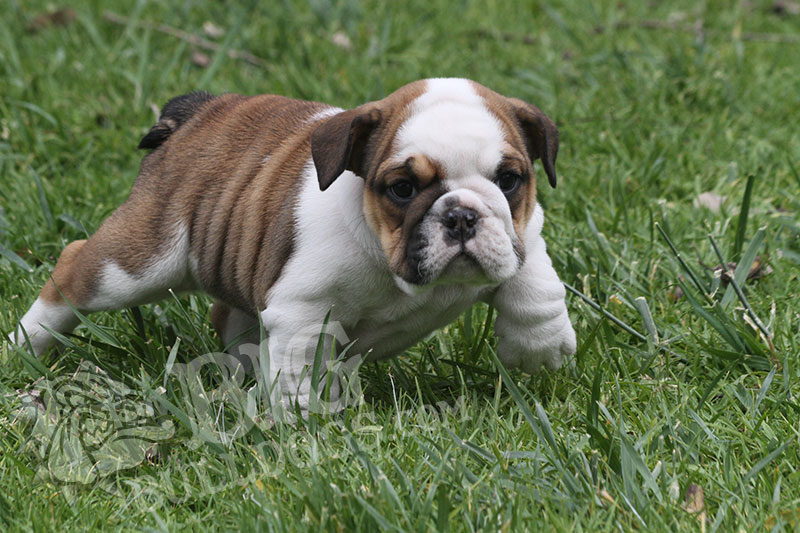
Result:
x=451 y=202
x=449 y=186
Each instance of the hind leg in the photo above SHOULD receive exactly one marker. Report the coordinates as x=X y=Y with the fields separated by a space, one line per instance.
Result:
x=239 y=331
x=49 y=310
x=111 y=270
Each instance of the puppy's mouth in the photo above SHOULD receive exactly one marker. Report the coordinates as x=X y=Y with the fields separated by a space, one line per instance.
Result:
x=459 y=245
x=460 y=266
x=464 y=268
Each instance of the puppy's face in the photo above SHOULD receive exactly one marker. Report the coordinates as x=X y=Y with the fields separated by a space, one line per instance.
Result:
x=449 y=181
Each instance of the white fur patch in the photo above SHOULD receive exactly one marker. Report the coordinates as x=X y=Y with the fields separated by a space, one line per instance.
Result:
x=451 y=124
x=533 y=325
x=57 y=317
x=325 y=113
x=118 y=288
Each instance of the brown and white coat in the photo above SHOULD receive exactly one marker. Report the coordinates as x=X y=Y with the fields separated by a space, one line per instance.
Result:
x=394 y=216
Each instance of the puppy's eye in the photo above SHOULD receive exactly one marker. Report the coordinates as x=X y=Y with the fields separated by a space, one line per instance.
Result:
x=508 y=181
x=402 y=191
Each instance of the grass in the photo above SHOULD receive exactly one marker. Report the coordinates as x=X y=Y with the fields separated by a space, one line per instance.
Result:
x=681 y=381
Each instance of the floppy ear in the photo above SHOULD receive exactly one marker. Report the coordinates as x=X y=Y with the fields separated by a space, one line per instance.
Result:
x=340 y=144
x=541 y=136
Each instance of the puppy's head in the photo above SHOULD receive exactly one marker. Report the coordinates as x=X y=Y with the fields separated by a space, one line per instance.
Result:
x=449 y=181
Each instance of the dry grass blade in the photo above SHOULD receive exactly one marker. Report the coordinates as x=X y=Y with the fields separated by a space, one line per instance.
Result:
x=188 y=37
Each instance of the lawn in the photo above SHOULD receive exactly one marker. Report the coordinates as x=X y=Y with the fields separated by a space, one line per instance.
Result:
x=680 y=152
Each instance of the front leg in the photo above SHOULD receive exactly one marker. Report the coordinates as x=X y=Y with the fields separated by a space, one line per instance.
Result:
x=294 y=334
x=532 y=323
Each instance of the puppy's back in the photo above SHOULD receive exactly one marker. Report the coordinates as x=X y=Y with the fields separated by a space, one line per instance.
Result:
x=227 y=170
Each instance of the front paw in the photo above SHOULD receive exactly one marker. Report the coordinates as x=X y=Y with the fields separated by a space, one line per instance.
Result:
x=529 y=349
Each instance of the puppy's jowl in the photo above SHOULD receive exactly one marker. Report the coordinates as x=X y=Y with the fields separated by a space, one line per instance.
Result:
x=395 y=216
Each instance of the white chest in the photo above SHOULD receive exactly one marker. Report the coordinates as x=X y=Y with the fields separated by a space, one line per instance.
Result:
x=337 y=267
x=400 y=321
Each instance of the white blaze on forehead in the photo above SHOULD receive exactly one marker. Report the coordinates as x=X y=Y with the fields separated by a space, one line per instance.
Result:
x=451 y=124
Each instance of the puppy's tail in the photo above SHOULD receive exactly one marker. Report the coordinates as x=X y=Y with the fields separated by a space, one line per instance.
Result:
x=174 y=115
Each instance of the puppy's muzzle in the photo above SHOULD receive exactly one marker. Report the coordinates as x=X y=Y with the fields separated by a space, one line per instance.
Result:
x=460 y=223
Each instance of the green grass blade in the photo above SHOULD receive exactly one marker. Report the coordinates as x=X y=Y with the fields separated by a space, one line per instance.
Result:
x=742 y=297
x=640 y=303
x=43 y=202
x=537 y=425
x=594 y=305
x=686 y=268
x=32 y=361
x=173 y=353
x=744 y=212
x=743 y=267
x=760 y=465
x=15 y=259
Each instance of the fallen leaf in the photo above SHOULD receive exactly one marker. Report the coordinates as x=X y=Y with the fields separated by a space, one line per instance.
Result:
x=694 y=503
x=758 y=270
x=677 y=16
x=785 y=8
x=32 y=401
x=200 y=59
x=59 y=17
x=789 y=517
x=212 y=30
x=341 y=40
x=710 y=201
x=32 y=398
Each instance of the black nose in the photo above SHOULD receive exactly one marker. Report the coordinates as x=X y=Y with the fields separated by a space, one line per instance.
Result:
x=460 y=223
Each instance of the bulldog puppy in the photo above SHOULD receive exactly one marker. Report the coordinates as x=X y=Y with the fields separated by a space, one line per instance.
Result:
x=395 y=217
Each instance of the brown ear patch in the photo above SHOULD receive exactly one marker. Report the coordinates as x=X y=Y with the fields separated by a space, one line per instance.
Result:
x=339 y=144
x=355 y=139
x=540 y=135
x=537 y=131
